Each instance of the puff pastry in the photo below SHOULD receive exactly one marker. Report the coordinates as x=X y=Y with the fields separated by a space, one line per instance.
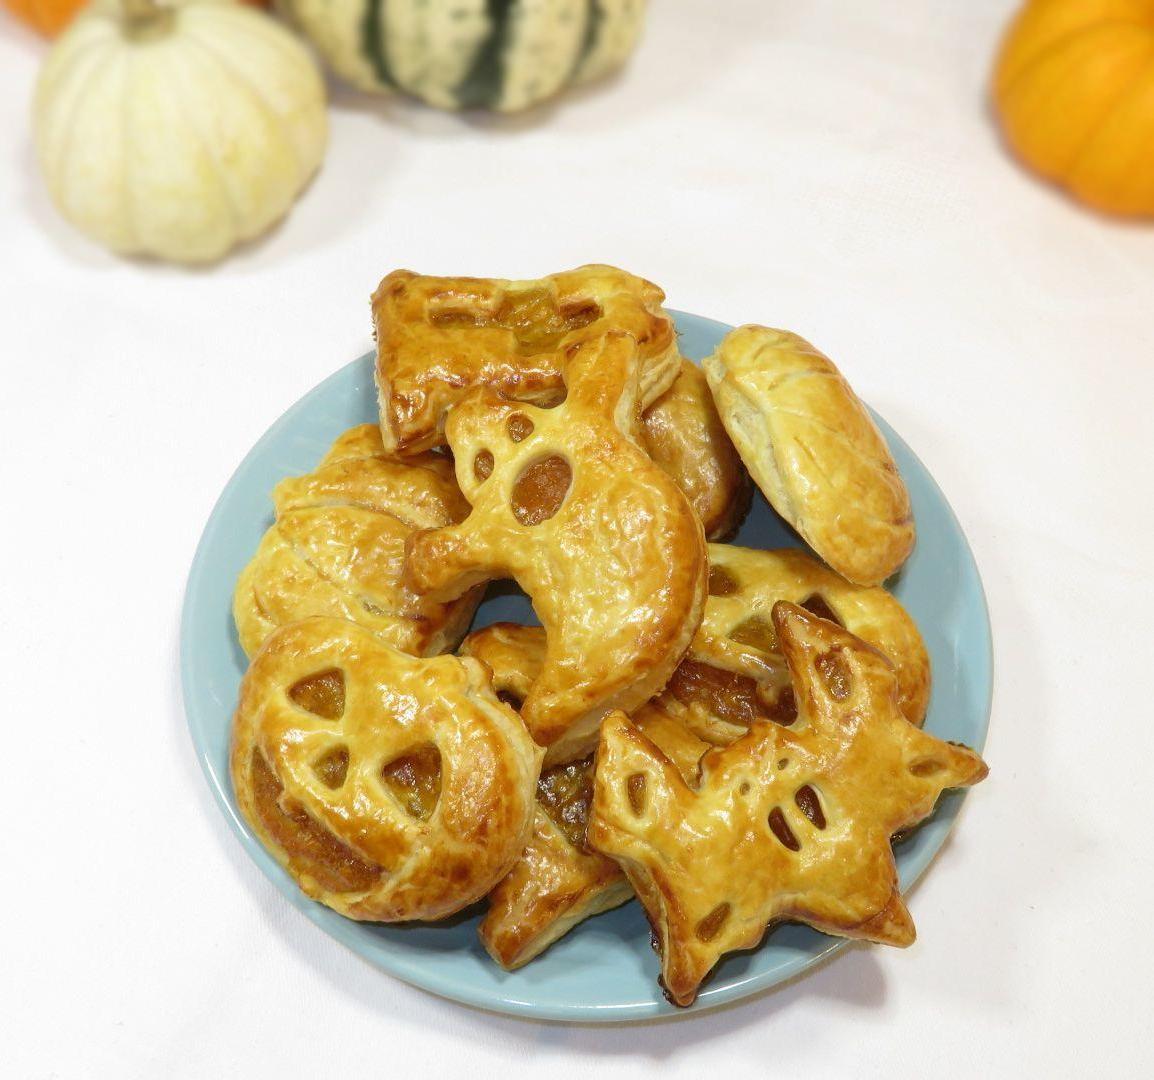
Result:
x=437 y=337
x=338 y=545
x=785 y=823
x=390 y=787
x=685 y=436
x=813 y=450
x=558 y=881
x=603 y=541
x=733 y=672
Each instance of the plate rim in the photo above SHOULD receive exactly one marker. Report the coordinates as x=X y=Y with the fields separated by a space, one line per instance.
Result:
x=403 y=966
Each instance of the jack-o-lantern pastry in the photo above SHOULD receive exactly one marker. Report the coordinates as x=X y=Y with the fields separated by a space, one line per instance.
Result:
x=786 y=823
x=734 y=674
x=603 y=541
x=390 y=787
x=438 y=337
x=813 y=449
x=684 y=435
x=558 y=881
x=337 y=548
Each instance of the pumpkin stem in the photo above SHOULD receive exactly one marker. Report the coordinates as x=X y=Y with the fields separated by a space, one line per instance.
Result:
x=145 y=20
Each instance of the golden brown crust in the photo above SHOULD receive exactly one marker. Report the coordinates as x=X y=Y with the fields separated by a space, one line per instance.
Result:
x=390 y=787
x=736 y=638
x=611 y=554
x=438 y=337
x=514 y=653
x=786 y=823
x=337 y=548
x=685 y=436
x=813 y=449
x=558 y=881
x=553 y=886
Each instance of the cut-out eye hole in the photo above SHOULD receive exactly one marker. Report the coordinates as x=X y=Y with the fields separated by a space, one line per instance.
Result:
x=757 y=632
x=722 y=582
x=332 y=767
x=540 y=490
x=519 y=427
x=322 y=694
x=483 y=466
x=836 y=675
x=809 y=804
x=816 y=605
x=711 y=925
x=512 y=700
x=635 y=790
x=414 y=779
x=536 y=320
x=780 y=828
x=926 y=767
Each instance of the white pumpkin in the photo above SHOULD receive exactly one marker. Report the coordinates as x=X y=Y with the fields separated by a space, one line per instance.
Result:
x=179 y=131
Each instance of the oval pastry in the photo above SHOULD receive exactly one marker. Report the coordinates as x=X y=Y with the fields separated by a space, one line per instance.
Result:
x=685 y=436
x=438 y=337
x=337 y=548
x=390 y=787
x=602 y=540
x=733 y=672
x=813 y=449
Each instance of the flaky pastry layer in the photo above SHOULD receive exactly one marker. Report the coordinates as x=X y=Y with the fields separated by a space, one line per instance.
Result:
x=390 y=787
x=337 y=548
x=439 y=337
x=813 y=449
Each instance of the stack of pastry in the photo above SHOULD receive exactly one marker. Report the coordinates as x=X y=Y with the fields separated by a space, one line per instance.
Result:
x=732 y=736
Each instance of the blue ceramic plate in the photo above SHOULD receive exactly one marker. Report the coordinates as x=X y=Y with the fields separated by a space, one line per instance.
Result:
x=605 y=969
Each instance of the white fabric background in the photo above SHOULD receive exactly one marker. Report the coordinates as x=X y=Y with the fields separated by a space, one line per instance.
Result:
x=829 y=167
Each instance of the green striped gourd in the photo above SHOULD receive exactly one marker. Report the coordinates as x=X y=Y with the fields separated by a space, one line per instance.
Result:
x=457 y=54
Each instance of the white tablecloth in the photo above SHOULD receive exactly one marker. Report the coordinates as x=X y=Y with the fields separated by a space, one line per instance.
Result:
x=829 y=167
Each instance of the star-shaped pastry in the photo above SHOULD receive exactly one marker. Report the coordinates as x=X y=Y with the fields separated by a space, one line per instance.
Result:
x=786 y=823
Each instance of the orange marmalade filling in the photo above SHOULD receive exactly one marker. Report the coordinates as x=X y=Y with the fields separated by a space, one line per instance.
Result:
x=483 y=465
x=311 y=848
x=729 y=695
x=332 y=768
x=541 y=489
x=519 y=427
x=816 y=605
x=565 y=793
x=322 y=694
x=414 y=778
x=532 y=316
x=722 y=582
x=757 y=632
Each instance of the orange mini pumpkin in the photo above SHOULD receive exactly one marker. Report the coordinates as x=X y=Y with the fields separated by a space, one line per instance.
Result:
x=47 y=16
x=52 y=16
x=1074 y=86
